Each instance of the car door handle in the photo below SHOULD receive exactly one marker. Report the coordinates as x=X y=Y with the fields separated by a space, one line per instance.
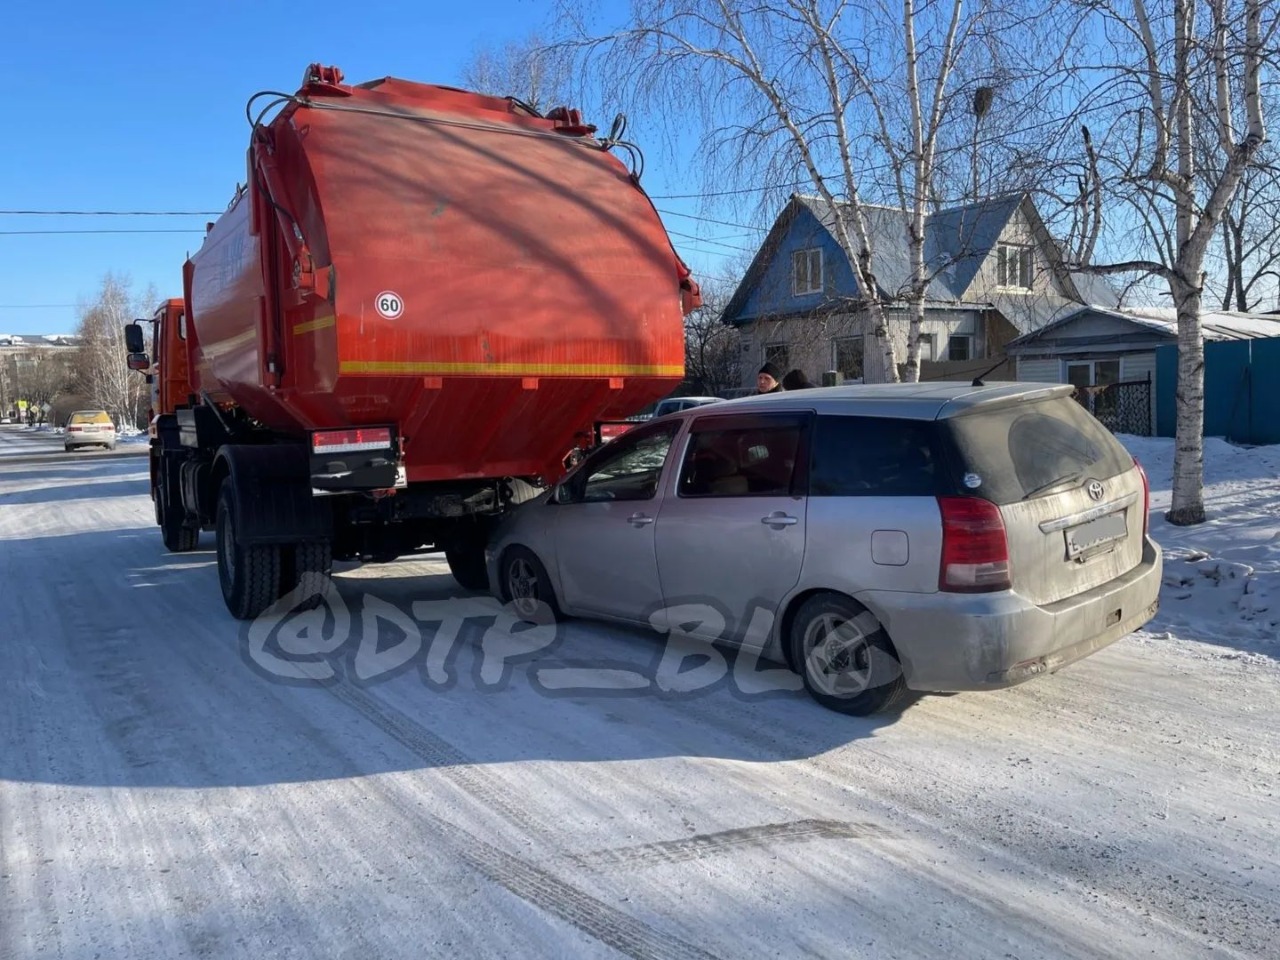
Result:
x=779 y=520
x=639 y=519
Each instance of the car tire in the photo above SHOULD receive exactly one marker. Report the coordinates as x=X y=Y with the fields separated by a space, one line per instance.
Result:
x=249 y=575
x=466 y=563
x=305 y=569
x=844 y=656
x=524 y=586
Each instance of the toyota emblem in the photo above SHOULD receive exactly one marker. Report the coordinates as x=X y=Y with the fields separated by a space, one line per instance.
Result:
x=1095 y=490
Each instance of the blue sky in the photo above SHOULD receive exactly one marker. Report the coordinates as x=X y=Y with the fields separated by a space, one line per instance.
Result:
x=139 y=105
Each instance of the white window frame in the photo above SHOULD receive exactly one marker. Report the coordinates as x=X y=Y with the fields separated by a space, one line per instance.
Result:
x=811 y=256
x=835 y=352
x=965 y=336
x=1093 y=369
x=776 y=345
x=931 y=341
x=1023 y=263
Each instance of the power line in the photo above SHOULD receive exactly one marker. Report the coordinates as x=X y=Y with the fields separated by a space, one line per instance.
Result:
x=718 y=243
x=719 y=223
x=32 y=233
x=110 y=213
x=880 y=167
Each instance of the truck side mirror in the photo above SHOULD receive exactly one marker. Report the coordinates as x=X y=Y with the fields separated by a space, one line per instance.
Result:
x=139 y=361
x=134 y=341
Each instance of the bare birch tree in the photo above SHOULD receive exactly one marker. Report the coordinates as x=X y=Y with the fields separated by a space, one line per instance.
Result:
x=102 y=374
x=1173 y=65
x=848 y=99
x=528 y=70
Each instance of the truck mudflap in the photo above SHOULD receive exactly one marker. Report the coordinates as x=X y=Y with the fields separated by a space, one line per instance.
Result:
x=273 y=499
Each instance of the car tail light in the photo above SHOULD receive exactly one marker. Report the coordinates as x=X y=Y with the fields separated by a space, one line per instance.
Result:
x=351 y=441
x=1146 y=497
x=975 y=550
x=75 y=429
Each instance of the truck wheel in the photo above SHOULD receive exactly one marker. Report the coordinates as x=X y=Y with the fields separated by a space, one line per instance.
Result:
x=177 y=535
x=466 y=563
x=305 y=568
x=250 y=576
x=844 y=656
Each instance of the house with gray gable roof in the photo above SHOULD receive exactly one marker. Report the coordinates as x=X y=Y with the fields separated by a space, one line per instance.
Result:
x=995 y=274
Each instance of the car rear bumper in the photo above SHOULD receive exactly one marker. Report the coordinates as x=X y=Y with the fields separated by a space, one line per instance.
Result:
x=950 y=642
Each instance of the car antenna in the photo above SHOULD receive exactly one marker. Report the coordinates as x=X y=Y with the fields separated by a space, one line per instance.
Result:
x=977 y=382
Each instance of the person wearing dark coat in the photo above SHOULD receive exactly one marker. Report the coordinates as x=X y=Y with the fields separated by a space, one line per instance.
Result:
x=796 y=380
x=767 y=379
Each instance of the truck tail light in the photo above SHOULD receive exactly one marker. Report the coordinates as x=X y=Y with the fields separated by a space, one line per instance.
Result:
x=1146 y=498
x=975 y=550
x=353 y=440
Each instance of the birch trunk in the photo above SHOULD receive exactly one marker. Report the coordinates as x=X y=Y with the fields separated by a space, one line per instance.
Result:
x=1188 y=461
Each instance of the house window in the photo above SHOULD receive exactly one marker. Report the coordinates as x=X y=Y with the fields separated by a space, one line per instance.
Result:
x=960 y=347
x=928 y=346
x=806 y=271
x=779 y=355
x=848 y=357
x=1014 y=266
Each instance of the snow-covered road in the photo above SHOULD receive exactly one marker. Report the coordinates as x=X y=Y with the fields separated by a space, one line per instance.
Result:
x=161 y=797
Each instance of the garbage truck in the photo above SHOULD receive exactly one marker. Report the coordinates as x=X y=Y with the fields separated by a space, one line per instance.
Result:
x=412 y=316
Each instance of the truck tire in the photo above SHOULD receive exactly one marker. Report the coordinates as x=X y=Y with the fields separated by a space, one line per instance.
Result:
x=250 y=576
x=177 y=534
x=466 y=563
x=305 y=568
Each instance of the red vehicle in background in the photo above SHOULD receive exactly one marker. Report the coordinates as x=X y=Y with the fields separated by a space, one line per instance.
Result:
x=412 y=314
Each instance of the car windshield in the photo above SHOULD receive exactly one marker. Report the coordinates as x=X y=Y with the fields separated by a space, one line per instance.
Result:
x=1018 y=451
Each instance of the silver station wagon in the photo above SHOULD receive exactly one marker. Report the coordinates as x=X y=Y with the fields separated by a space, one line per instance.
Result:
x=926 y=537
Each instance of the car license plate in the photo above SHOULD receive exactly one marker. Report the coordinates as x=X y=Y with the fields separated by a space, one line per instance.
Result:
x=1089 y=537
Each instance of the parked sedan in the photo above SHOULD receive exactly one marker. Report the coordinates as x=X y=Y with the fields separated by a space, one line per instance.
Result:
x=90 y=428
x=925 y=537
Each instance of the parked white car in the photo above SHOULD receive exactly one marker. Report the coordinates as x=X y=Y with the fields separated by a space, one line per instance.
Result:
x=90 y=428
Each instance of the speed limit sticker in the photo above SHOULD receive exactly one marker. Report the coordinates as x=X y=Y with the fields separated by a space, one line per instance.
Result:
x=389 y=305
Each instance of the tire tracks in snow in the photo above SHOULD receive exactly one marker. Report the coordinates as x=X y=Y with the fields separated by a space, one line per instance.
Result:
x=530 y=883
x=704 y=845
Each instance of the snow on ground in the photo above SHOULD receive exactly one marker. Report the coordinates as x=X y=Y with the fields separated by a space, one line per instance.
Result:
x=163 y=797
x=1222 y=577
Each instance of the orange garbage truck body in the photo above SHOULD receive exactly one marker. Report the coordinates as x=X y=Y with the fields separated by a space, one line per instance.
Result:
x=419 y=304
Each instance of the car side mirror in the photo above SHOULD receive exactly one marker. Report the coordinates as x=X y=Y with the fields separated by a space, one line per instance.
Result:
x=134 y=341
x=139 y=361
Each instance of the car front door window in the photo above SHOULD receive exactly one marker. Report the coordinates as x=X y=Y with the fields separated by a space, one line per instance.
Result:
x=630 y=472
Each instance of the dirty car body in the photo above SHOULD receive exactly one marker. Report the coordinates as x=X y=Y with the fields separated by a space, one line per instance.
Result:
x=980 y=536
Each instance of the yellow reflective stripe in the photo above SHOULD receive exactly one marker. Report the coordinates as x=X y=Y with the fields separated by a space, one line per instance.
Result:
x=515 y=369
x=319 y=323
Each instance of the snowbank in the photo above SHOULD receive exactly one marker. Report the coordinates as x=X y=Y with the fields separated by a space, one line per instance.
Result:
x=1222 y=577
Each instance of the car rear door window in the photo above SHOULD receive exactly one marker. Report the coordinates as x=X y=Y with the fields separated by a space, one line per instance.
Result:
x=744 y=456
x=875 y=457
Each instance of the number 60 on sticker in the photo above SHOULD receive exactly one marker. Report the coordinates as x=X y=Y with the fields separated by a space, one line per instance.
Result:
x=389 y=305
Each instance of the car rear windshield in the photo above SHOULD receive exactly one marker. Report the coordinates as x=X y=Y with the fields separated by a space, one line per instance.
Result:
x=95 y=417
x=1016 y=452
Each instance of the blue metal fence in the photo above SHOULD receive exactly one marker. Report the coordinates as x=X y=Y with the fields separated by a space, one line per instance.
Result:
x=1241 y=390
